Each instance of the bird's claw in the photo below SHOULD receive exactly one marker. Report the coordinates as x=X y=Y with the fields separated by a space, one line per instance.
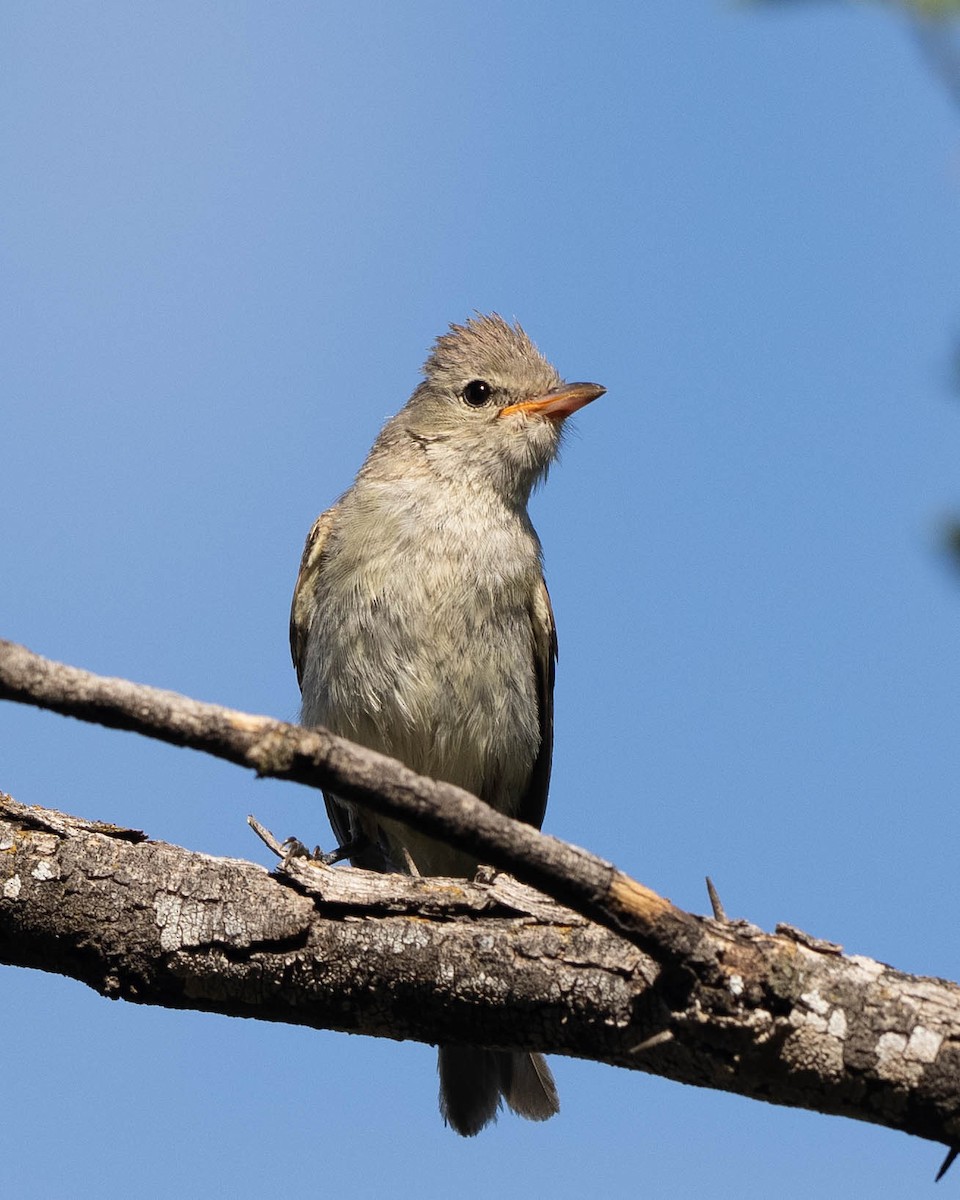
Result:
x=294 y=848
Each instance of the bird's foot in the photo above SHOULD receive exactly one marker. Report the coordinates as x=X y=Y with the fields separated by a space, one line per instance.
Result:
x=294 y=848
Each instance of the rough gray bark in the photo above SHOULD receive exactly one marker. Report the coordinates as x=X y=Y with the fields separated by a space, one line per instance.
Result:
x=320 y=759
x=786 y=1018
x=780 y=1017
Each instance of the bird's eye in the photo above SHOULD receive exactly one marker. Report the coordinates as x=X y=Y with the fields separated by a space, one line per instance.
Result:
x=477 y=393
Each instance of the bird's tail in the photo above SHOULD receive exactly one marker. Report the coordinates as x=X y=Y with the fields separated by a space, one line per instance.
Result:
x=473 y=1080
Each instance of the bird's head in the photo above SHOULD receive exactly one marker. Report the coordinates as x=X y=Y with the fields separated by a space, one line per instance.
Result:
x=491 y=408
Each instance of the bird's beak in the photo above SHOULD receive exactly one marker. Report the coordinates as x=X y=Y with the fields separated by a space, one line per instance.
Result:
x=559 y=404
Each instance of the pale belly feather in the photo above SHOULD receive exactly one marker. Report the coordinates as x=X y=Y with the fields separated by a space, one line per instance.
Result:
x=431 y=661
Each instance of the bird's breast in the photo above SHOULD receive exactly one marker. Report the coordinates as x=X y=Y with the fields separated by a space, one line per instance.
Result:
x=421 y=644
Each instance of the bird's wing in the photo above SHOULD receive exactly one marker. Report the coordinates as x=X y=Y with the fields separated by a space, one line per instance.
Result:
x=344 y=820
x=534 y=802
x=302 y=606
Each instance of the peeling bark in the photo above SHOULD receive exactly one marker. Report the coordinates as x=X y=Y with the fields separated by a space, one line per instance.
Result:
x=619 y=975
x=318 y=758
x=780 y=1017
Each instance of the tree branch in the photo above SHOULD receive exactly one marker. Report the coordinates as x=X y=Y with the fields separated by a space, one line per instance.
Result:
x=386 y=787
x=784 y=1018
x=792 y=1022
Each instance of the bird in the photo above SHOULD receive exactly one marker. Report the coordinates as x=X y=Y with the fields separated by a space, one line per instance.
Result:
x=421 y=627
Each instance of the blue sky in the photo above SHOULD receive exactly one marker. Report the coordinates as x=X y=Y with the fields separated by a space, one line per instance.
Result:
x=229 y=233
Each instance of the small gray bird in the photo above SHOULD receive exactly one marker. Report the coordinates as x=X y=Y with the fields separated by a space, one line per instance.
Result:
x=421 y=627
